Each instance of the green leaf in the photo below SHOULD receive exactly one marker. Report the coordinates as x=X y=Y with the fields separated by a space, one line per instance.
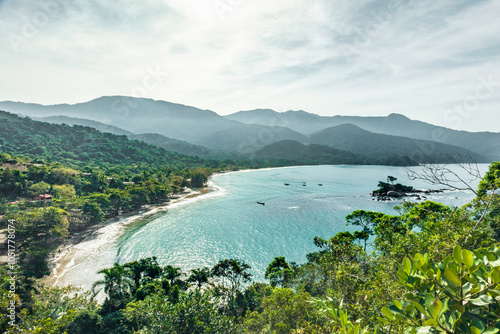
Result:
x=495 y=263
x=466 y=288
x=430 y=322
x=457 y=254
x=418 y=306
x=424 y=330
x=467 y=258
x=474 y=330
x=435 y=307
x=407 y=266
x=388 y=313
x=495 y=275
x=452 y=277
x=483 y=300
x=491 y=330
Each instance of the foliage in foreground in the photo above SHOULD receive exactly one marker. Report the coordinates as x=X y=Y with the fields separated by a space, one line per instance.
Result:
x=433 y=269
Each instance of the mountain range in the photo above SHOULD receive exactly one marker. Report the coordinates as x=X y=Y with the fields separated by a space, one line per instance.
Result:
x=192 y=131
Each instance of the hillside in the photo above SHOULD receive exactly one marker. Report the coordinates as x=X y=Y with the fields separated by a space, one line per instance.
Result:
x=80 y=145
x=137 y=115
x=300 y=121
x=351 y=138
x=173 y=145
x=244 y=131
x=486 y=143
x=83 y=122
x=246 y=139
x=290 y=152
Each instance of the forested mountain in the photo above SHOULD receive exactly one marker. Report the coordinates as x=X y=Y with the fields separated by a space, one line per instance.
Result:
x=80 y=145
x=84 y=122
x=248 y=131
x=174 y=145
x=246 y=139
x=351 y=138
x=299 y=121
x=291 y=152
x=486 y=143
x=155 y=139
x=137 y=115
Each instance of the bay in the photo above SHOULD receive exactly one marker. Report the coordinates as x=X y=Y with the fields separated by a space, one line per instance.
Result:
x=229 y=223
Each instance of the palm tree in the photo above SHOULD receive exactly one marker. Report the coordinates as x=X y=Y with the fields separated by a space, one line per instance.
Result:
x=172 y=273
x=199 y=276
x=116 y=285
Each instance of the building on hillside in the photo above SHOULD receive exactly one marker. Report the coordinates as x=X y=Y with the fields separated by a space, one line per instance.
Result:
x=44 y=197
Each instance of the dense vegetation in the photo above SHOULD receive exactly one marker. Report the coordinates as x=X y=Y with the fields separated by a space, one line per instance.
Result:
x=351 y=138
x=431 y=269
x=79 y=198
x=85 y=146
x=289 y=152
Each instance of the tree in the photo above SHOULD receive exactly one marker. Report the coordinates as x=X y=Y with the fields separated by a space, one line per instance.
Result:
x=142 y=271
x=116 y=285
x=391 y=179
x=367 y=220
x=199 y=276
x=284 y=312
x=232 y=273
x=458 y=295
x=56 y=309
x=279 y=272
x=172 y=274
x=199 y=176
x=39 y=188
x=66 y=191
x=339 y=317
x=93 y=212
x=196 y=312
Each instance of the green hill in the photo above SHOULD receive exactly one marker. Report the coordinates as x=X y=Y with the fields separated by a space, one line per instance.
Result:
x=80 y=145
x=352 y=138
x=290 y=152
x=84 y=122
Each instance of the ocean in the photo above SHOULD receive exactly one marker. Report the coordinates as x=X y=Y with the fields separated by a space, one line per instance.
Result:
x=229 y=223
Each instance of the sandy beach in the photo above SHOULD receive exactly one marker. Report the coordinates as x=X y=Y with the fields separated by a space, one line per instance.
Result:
x=69 y=262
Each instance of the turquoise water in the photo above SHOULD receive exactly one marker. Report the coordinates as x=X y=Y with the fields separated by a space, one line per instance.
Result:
x=229 y=223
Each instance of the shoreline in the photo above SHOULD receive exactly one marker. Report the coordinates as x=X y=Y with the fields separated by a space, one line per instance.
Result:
x=103 y=235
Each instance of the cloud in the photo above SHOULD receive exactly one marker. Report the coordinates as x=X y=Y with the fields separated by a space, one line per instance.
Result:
x=328 y=57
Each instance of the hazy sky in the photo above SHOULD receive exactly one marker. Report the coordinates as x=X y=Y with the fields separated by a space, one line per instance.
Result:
x=436 y=61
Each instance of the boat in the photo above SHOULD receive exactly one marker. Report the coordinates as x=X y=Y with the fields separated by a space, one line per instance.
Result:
x=320 y=184
x=287 y=184
x=261 y=203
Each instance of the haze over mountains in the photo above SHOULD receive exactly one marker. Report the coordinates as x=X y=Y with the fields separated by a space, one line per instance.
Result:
x=193 y=131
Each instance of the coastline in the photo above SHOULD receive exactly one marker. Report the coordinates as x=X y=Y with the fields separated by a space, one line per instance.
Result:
x=95 y=239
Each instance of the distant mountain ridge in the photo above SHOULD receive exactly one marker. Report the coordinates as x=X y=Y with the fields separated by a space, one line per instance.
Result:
x=349 y=137
x=245 y=132
x=137 y=115
x=486 y=143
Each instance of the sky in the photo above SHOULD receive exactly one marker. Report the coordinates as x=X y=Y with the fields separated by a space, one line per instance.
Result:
x=435 y=61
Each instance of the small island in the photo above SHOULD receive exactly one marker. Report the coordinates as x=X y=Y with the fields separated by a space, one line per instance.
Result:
x=388 y=191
